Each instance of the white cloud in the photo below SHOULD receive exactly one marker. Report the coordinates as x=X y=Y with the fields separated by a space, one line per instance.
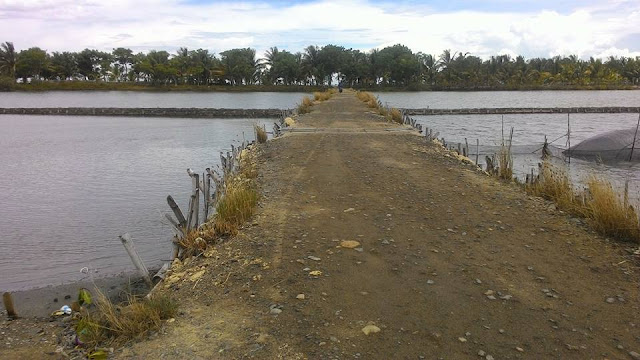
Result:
x=58 y=25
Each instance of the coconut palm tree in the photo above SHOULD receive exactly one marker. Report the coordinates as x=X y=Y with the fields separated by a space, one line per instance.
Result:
x=8 y=59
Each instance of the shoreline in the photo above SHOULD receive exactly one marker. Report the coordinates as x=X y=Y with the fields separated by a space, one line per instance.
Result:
x=40 y=302
x=139 y=87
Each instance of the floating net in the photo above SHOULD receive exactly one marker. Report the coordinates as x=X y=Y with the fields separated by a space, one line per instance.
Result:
x=611 y=146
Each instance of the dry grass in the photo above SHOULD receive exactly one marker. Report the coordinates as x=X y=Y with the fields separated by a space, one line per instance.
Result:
x=505 y=160
x=195 y=242
x=305 y=105
x=235 y=207
x=117 y=324
x=605 y=209
x=365 y=96
x=554 y=184
x=261 y=134
x=396 y=115
x=608 y=213
x=322 y=96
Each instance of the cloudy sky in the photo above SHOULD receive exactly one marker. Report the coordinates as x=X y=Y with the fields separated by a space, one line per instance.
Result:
x=481 y=27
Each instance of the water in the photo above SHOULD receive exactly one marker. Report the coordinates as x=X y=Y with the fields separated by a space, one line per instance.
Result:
x=70 y=185
x=493 y=99
x=249 y=100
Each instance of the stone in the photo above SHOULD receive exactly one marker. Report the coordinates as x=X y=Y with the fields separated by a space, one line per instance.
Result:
x=519 y=349
x=430 y=282
x=611 y=300
x=385 y=242
x=197 y=275
x=489 y=357
x=315 y=273
x=489 y=292
x=634 y=355
x=478 y=281
x=349 y=210
x=463 y=340
x=349 y=244
x=481 y=353
x=370 y=329
x=300 y=297
x=314 y=258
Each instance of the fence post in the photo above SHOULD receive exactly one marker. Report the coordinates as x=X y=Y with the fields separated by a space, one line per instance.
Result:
x=127 y=242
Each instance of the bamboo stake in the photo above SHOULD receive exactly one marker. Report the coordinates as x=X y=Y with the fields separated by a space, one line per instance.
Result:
x=477 y=150
x=569 y=136
x=127 y=242
x=633 y=146
x=8 y=305
x=176 y=211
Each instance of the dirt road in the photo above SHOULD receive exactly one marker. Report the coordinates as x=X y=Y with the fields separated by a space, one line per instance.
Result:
x=451 y=264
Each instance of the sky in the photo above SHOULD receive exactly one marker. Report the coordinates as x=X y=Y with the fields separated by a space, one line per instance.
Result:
x=533 y=28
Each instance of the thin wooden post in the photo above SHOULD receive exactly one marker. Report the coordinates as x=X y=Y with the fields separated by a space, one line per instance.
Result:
x=8 y=305
x=176 y=211
x=569 y=137
x=633 y=146
x=477 y=150
x=466 y=147
x=127 y=242
x=626 y=194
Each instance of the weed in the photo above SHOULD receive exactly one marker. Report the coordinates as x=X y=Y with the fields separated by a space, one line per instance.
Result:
x=261 y=134
x=235 y=207
x=305 y=105
x=554 y=184
x=111 y=323
x=322 y=96
x=396 y=115
x=505 y=160
x=608 y=213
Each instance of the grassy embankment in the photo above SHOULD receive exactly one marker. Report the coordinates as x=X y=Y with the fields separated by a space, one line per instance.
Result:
x=319 y=96
x=599 y=204
x=391 y=114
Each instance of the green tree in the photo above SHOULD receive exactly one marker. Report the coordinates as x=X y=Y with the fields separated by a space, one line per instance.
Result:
x=31 y=63
x=8 y=59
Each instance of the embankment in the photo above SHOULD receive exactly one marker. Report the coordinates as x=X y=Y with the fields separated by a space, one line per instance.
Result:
x=148 y=112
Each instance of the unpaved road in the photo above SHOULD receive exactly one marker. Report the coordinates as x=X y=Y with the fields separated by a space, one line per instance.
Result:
x=452 y=263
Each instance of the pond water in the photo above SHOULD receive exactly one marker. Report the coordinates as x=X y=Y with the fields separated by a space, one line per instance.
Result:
x=70 y=185
x=500 y=99
x=248 y=100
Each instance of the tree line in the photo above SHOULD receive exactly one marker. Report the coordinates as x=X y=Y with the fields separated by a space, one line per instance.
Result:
x=394 y=65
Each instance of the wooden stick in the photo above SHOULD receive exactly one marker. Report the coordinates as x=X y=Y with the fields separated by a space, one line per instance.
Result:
x=477 y=150
x=8 y=305
x=127 y=242
x=176 y=211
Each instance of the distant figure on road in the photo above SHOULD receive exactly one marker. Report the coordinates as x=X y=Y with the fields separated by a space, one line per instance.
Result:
x=340 y=86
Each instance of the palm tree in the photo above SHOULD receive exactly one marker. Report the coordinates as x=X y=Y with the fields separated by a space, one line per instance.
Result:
x=8 y=59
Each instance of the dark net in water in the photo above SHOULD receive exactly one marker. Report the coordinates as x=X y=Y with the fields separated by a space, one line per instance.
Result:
x=611 y=146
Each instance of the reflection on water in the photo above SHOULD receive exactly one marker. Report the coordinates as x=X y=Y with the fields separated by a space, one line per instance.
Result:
x=70 y=185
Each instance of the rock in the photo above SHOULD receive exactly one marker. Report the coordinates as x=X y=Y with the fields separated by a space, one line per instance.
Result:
x=611 y=300
x=634 y=355
x=333 y=338
x=491 y=297
x=478 y=281
x=519 y=349
x=349 y=210
x=489 y=292
x=481 y=353
x=370 y=329
x=314 y=258
x=349 y=244
x=275 y=309
x=385 y=242
x=489 y=357
x=430 y=282
x=300 y=297
x=463 y=340
x=197 y=275
x=506 y=297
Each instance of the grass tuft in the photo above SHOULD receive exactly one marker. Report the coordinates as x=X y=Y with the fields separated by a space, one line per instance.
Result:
x=305 y=105
x=554 y=184
x=261 y=134
x=235 y=207
x=116 y=324
x=505 y=160
x=608 y=213
x=322 y=96
x=396 y=115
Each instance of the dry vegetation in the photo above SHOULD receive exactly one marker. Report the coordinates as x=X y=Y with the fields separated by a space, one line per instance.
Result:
x=372 y=102
x=261 y=134
x=116 y=324
x=604 y=209
x=505 y=160
x=305 y=106
x=236 y=206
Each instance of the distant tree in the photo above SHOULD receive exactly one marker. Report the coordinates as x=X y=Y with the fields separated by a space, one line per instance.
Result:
x=31 y=63
x=240 y=66
x=63 y=65
x=124 y=58
x=8 y=59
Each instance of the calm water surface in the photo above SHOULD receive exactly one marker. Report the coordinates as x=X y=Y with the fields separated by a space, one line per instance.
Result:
x=70 y=185
x=250 y=100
